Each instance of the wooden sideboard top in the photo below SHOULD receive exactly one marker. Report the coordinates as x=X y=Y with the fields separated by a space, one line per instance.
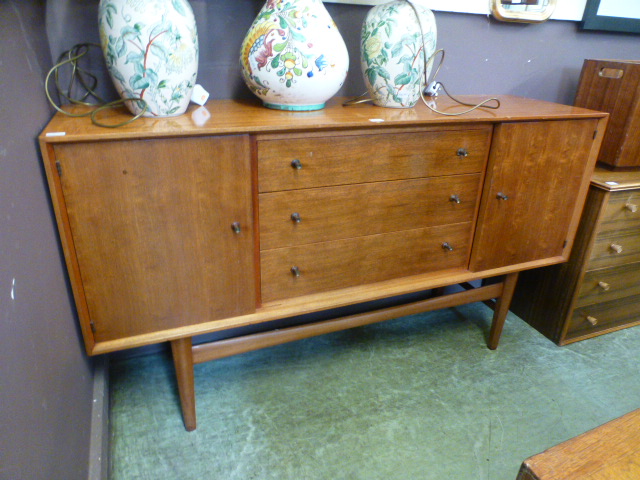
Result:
x=616 y=180
x=249 y=116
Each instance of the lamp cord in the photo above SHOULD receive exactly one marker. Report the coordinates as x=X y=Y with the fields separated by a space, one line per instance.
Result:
x=88 y=82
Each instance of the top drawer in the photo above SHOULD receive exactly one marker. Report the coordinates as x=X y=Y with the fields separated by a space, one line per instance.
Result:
x=289 y=164
x=622 y=212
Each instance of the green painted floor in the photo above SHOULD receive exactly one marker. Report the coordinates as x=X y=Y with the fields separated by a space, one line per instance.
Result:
x=419 y=397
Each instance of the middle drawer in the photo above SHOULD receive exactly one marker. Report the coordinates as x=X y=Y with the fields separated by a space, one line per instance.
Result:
x=300 y=217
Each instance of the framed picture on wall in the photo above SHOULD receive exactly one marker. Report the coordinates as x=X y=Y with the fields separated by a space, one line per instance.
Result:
x=612 y=16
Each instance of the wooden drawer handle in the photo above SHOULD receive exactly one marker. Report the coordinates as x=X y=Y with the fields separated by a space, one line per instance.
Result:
x=297 y=164
x=446 y=246
x=611 y=73
x=604 y=286
x=295 y=217
x=592 y=320
x=295 y=271
x=631 y=207
x=616 y=248
x=454 y=198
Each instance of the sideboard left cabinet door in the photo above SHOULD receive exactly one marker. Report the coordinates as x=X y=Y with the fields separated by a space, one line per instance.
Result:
x=162 y=231
x=535 y=187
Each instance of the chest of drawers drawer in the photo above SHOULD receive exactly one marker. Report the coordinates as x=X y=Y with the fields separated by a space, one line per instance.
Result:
x=622 y=212
x=604 y=316
x=319 y=267
x=300 y=217
x=607 y=284
x=615 y=248
x=292 y=163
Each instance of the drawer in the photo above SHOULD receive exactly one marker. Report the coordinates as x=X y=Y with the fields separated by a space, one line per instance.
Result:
x=607 y=284
x=615 y=248
x=602 y=316
x=622 y=212
x=362 y=260
x=341 y=160
x=300 y=217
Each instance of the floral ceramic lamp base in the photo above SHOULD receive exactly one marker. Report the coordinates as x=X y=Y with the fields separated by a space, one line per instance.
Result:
x=396 y=39
x=151 y=51
x=293 y=57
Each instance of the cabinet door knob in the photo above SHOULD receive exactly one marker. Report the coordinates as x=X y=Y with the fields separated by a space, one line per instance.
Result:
x=631 y=207
x=297 y=164
x=616 y=248
x=446 y=246
x=454 y=199
x=604 y=286
x=295 y=217
x=295 y=271
x=592 y=320
x=501 y=196
x=462 y=152
x=235 y=226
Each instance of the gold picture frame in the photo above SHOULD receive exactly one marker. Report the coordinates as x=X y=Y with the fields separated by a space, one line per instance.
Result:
x=525 y=11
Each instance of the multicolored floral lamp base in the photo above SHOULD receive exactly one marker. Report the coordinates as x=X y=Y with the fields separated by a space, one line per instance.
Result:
x=293 y=57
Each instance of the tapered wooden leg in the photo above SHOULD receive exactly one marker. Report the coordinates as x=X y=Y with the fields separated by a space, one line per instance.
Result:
x=501 y=309
x=183 y=363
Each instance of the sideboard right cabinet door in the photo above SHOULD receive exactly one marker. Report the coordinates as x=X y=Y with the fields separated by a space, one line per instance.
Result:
x=534 y=185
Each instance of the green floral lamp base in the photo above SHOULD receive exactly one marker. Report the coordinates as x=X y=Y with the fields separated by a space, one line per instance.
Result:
x=151 y=51
x=396 y=39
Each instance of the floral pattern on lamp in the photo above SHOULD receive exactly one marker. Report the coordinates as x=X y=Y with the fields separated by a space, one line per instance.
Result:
x=396 y=37
x=151 y=51
x=293 y=56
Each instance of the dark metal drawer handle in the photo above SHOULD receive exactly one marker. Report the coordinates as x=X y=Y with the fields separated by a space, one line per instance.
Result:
x=297 y=164
x=454 y=199
x=462 y=152
x=235 y=226
x=295 y=271
x=446 y=246
x=295 y=217
x=502 y=196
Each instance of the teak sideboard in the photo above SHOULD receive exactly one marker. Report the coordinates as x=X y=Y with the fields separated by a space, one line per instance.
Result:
x=176 y=227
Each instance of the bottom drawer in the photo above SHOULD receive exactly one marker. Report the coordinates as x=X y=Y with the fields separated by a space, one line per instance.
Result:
x=604 y=316
x=319 y=267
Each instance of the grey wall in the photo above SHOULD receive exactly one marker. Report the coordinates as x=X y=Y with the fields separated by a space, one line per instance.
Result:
x=45 y=378
x=483 y=56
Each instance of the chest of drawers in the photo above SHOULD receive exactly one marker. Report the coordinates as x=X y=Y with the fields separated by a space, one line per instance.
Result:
x=173 y=229
x=598 y=290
